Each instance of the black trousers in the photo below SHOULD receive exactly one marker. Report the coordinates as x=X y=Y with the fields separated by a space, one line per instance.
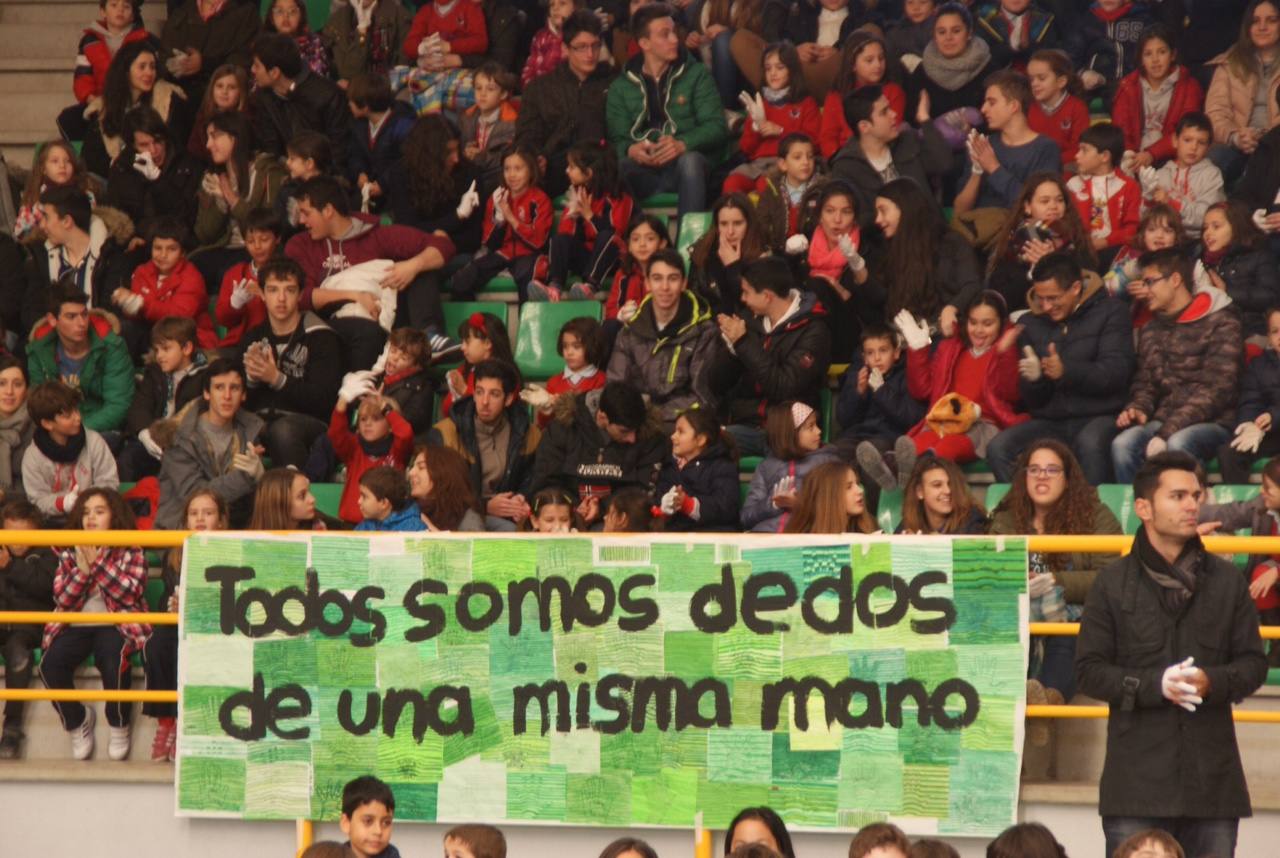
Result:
x=161 y=666
x=481 y=269
x=68 y=650
x=567 y=255
x=18 y=645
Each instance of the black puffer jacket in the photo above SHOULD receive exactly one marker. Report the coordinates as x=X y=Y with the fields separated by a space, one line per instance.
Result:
x=26 y=584
x=414 y=394
x=796 y=21
x=884 y=413
x=558 y=110
x=1260 y=388
x=917 y=155
x=173 y=194
x=1096 y=346
x=1253 y=282
x=1162 y=760
x=315 y=104
x=712 y=479
x=787 y=363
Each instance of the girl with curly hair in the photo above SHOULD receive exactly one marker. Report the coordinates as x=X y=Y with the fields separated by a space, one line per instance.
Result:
x=426 y=188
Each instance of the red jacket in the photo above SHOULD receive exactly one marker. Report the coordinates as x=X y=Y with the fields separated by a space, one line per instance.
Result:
x=1064 y=127
x=181 y=294
x=529 y=234
x=1118 y=221
x=463 y=27
x=794 y=116
x=628 y=285
x=349 y=449
x=929 y=378
x=248 y=317
x=558 y=384
x=93 y=57
x=835 y=131
x=607 y=213
x=1128 y=114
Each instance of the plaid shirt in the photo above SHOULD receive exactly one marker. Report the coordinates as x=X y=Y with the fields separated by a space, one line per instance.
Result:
x=120 y=574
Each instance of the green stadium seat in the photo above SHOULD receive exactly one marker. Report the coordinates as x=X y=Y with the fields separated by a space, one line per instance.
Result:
x=155 y=589
x=995 y=494
x=889 y=515
x=317 y=13
x=1119 y=499
x=747 y=465
x=457 y=312
x=660 y=203
x=539 y=329
x=328 y=497
x=693 y=226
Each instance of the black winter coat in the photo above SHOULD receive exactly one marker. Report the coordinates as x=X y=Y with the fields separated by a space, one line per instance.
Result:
x=917 y=155
x=315 y=104
x=796 y=21
x=410 y=209
x=788 y=363
x=1260 y=389
x=1261 y=181
x=26 y=584
x=1253 y=282
x=310 y=359
x=885 y=413
x=712 y=478
x=415 y=394
x=520 y=447
x=1096 y=346
x=173 y=194
x=558 y=110
x=151 y=394
x=1162 y=760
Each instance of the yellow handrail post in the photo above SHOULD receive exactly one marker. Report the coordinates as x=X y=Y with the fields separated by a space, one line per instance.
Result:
x=306 y=834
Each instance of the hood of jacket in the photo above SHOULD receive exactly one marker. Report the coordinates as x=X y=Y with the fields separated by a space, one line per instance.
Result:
x=644 y=326
x=1204 y=303
x=101 y=323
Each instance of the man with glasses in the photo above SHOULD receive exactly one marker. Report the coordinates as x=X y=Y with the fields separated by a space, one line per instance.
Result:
x=664 y=114
x=1077 y=360
x=1189 y=356
x=567 y=105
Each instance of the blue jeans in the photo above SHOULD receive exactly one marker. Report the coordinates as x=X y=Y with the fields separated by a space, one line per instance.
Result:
x=1229 y=160
x=686 y=175
x=1199 y=838
x=1089 y=437
x=725 y=72
x=750 y=440
x=1129 y=449
x=1058 y=669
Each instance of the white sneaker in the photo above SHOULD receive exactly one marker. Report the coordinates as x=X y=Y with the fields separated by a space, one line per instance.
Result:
x=82 y=736
x=118 y=746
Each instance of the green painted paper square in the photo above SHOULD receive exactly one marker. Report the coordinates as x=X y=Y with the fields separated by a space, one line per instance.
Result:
x=603 y=799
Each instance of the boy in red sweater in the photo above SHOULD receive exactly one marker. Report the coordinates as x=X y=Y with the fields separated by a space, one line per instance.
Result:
x=240 y=306
x=1109 y=202
x=441 y=40
x=382 y=437
x=168 y=285
x=582 y=345
x=782 y=107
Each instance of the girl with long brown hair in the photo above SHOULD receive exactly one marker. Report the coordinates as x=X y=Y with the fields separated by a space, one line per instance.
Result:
x=831 y=501
x=440 y=481
x=284 y=502
x=1239 y=116
x=56 y=166
x=228 y=92
x=734 y=239
x=937 y=500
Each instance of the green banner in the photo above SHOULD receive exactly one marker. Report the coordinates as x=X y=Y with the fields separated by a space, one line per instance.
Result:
x=630 y=681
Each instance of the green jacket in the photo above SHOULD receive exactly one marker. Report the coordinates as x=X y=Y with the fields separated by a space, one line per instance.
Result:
x=691 y=106
x=106 y=377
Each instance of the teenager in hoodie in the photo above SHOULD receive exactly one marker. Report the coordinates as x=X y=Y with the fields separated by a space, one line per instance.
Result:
x=1104 y=43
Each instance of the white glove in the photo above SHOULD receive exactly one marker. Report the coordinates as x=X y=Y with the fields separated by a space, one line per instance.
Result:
x=147 y=167
x=149 y=443
x=1091 y=79
x=241 y=293
x=69 y=499
x=1156 y=446
x=131 y=305
x=974 y=166
x=875 y=380
x=1040 y=585
x=668 y=502
x=209 y=184
x=1111 y=282
x=366 y=194
x=628 y=311
x=1029 y=365
x=797 y=244
x=1248 y=437
x=753 y=106
x=498 y=196
x=249 y=462
x=914 y=331
x=851 y=255
x=1260 y=220
x=1176 y=689
x=784 y=486
x=354 y=386
x=176 y=62
x=467 y=205
x=1149 y=178
x=1126 y=161
x=604 y=17
x=536 y=395
x=364 y=15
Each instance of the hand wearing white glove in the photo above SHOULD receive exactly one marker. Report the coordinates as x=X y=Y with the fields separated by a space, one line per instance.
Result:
x=536 y=395
x=69 y=499
x=132 y=305
x=176 y=63
x=209 y=184
x=1248 y=437
x=628 y=311
x=1149 y=179
x=241 y=293
x=875 y=380
x=1176 y=689
x=354 y=386
x=146 y=166
x=753 y=106
x=1039 y=586
x=1029 y=365
x=1091 y=79
x=974 y=166
x=797 y=244
x=1156 y=446
x=850 y=253
x=248 y=462
x=1126 y=161
x=467 y=205
x=1260 y=220
x=914 y=331
x=668 y=502
x=144 y=437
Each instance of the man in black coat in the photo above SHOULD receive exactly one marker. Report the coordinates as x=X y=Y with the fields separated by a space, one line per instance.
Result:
x=566 y=106
x=781 y=353
x=1077 y=347
x=291 y=99
x=1169 y=638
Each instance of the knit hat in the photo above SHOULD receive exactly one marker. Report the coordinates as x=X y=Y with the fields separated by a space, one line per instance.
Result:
x=799 y=413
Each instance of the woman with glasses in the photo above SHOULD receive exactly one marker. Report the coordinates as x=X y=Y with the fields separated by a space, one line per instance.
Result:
x=1049 y=495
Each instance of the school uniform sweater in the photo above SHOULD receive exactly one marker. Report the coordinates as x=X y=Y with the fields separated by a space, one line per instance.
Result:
x=1109 y=206
x=793 y=116
x=529 y=234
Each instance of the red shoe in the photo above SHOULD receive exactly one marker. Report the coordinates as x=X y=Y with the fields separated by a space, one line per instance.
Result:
x=162 y=747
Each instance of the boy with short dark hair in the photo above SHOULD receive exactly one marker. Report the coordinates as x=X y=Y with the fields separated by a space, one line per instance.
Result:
x=382 y=437
x=406 y=379
x=382 y=124
x=368 y=809
x=168 y=285
x=385 y=502
x=26 y=584
x=64 y=458
x=1108 y=201
x=781 y=191
x=1189 y=182
x=170 y=381
x=240 y=306
x=489 y=126
x=475 y=840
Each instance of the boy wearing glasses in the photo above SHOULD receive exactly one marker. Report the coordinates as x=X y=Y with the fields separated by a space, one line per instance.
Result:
x=1077 y=360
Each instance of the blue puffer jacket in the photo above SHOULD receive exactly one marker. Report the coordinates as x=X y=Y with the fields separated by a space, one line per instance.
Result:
x=1260 y=388
x=711 y=478
x=403 y=520
x=885 y=413
x=759 y=515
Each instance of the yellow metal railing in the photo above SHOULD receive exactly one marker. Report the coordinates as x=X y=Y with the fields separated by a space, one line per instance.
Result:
x=305 y=829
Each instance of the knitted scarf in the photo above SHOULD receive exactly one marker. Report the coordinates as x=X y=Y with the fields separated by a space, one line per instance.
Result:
x=10 y=439
x=1178 y=579
x=953 y=73
x=63 y=454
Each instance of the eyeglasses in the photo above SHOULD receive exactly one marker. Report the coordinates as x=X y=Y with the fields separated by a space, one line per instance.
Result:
x=585 y=47
x=1046 y=471
x=1151 y=281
